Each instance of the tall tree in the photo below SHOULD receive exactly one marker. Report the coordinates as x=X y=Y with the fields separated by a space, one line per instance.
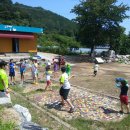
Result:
x=99 y=21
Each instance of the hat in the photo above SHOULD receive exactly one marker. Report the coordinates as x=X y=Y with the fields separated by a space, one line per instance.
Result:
x=63 y=69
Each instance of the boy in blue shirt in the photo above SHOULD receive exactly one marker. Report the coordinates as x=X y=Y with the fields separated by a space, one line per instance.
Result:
x=12 y=71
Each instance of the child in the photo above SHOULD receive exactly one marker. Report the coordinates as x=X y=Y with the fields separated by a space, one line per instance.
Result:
x=55 y=67
x=3 y=80
x=96 y=67
x=123 y=85
x=12 y=72
x=65 y=88
x=68 y=69
x=34 y=72
x=22 y=69
x=48 y=78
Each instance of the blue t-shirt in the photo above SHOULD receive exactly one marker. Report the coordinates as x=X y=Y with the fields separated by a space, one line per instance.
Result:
x=22 y=67
x=11 y=67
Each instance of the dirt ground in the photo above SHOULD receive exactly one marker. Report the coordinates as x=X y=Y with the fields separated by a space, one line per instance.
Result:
x=104 y=82
x=88 y=104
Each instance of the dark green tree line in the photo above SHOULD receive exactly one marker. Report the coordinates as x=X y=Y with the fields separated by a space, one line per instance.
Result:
x=99 y=21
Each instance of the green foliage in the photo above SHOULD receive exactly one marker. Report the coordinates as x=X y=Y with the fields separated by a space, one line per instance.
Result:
x=124 y=43
x=82 y=124
x=57 y=43
x=18 y=14
x=7 y=125
x=99 y=21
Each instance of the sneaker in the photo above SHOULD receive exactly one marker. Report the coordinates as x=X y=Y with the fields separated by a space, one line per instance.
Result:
x=71 y=110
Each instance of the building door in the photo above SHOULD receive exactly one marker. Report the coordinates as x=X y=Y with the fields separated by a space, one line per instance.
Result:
x=15 y=45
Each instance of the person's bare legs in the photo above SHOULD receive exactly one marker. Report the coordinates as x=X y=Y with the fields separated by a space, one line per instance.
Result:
x=14 y=80
x=127 y=108
x=11 y=79
x=62 y=100
x=121 y=107
x=69 y=103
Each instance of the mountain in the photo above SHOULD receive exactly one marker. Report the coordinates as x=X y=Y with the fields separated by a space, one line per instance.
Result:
x=19 y=14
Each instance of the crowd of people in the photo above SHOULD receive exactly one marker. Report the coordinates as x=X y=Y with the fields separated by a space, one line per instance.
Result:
x=23 y=65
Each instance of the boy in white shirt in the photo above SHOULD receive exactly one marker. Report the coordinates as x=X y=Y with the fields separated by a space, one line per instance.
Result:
x=65 y=88
x=96 y=67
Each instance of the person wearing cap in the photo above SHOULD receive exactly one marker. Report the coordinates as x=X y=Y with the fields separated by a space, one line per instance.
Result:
x=123 y=85
x=3 y=78
x=65 y=88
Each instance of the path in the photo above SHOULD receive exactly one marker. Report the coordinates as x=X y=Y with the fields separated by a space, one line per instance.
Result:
x=88 y=105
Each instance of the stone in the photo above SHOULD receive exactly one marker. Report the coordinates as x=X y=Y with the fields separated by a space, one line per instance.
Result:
x=5 y=98
x=24 y=112
x=31 y=126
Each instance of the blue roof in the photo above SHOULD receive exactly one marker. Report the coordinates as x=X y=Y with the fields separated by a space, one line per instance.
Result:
x=20 y=29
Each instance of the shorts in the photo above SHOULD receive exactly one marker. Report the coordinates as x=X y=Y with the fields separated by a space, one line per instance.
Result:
x=64 y=93
x=124 y=99
x=11 y=74
x=95 y=72
x=34 y=74
x=22 y=71
x=48 y=82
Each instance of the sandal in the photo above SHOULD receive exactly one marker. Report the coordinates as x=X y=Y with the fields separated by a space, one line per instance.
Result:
x=121 y=112
x=71 y=110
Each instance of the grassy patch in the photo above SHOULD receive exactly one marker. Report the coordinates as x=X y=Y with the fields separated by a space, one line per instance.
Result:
x=17 y=88
x=5 y=125
x=38 y=116
x=38 y=91
x=82 y=124
x=55 y=87
x=42 y=81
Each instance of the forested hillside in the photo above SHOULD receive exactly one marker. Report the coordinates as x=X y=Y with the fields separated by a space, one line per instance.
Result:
x=18 y=14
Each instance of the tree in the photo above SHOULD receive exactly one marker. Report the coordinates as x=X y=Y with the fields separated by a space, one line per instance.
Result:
x=60 y=43
x=99 y=21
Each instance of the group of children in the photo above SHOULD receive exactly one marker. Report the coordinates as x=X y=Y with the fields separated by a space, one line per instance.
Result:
x=121 y=83
x=22 y=65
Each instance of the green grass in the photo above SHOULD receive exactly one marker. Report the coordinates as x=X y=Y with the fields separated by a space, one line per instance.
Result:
x=82 y=124
x=5 y=125
x=55 y=87
x=17 y=88
x=38 y=91
x=38 y=116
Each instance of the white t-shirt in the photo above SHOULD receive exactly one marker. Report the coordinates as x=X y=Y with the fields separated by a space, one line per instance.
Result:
x=48 y=75
x=96 y=66
x=64 y=80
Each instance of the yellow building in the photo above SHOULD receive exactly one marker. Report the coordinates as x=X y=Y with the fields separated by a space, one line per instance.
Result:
x=18 y=39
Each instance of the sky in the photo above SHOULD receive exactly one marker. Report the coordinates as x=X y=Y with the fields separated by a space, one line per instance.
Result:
x=63 y=8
